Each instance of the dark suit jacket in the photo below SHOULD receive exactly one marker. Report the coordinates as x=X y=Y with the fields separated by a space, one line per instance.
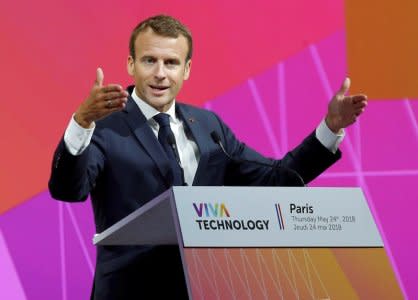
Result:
x=124 y=167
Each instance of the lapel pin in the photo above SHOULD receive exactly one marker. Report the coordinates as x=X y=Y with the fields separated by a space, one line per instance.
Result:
x=191 y=120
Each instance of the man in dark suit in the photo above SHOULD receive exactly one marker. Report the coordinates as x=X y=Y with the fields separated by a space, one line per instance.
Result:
x=126 y=147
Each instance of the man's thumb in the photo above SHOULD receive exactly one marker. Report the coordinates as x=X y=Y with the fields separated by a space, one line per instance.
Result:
x=99 y=77
x=345 y=86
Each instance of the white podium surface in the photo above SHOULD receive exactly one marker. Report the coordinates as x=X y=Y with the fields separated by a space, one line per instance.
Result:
x=275 y=217
x=249 y=217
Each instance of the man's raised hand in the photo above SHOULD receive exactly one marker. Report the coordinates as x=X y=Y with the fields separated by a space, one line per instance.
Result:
x=102 y=101
x=343 y=110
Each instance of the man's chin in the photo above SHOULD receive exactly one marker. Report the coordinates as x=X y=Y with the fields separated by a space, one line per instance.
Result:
x=160 y=103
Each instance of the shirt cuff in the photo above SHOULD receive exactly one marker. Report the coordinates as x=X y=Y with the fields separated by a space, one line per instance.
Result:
x=328 y=138
x=77 y=138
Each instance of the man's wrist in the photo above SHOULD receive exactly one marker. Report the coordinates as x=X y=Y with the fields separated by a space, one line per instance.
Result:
x=82 y=122
x=328 y=138
x=77 y=138
x=332 y=125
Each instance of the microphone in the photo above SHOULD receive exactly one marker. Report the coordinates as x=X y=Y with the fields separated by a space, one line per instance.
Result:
x=172 y=142
x=217 y=139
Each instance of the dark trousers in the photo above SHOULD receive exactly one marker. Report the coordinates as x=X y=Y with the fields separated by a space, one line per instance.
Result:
x=158 y=275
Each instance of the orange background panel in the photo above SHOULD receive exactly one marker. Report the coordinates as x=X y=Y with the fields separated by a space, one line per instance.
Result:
x=291 y=273
x=382 y=47
x=22 y=155
x=369 y=272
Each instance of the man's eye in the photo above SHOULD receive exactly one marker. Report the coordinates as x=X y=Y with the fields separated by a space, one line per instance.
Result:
x=148 y=60
x=171 y=62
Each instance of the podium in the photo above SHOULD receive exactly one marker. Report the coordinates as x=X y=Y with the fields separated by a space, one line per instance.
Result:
x=266 y=242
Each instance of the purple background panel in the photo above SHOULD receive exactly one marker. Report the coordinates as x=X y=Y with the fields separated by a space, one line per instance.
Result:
x=50 y=243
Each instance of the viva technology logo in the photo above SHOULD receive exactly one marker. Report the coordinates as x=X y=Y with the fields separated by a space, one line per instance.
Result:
x=216 y=216
x=211 y=210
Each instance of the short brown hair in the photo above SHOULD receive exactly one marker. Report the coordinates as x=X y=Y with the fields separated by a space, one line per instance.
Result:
x=165 y=26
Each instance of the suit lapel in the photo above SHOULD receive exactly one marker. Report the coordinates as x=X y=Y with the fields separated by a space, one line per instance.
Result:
x=146 y=137
x=201 y=136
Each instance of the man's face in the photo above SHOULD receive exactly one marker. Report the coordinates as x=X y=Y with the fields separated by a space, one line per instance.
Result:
x=159 y=68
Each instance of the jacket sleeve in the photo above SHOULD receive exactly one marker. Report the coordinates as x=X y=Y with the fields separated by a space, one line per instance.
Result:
x=73 y=177
x=309 y=159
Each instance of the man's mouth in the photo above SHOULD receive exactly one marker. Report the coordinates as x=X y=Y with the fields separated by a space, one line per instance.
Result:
x=158 y=87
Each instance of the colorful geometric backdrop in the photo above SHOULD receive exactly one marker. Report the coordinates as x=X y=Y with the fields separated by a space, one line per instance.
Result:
x=280 y=59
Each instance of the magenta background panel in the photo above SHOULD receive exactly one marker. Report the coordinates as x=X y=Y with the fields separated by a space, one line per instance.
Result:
x=50 y=243
x=267 y=67
x=11 y=286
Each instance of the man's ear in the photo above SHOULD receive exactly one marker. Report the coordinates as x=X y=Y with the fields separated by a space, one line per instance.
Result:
x=187 y=69
x=130 y=65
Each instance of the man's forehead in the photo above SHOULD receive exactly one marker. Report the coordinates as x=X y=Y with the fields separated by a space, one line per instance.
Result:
x=148 y=41
x=149 y=35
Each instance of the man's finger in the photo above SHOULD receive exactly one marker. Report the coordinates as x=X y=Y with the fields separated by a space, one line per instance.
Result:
x=99 y=77
x=114 y=104
x=115 y=109
x=112 y=88
x=113 y=95
x=359 y=110
x=120 y=101
x=359 y=98
x=359 y=105
x=344 y=87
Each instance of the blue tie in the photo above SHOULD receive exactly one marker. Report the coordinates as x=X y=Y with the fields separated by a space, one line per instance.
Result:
x=165 y=135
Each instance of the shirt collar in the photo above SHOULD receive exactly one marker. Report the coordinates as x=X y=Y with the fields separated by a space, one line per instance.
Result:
x=149 y=111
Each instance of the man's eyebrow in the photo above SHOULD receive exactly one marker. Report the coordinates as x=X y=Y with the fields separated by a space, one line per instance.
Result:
x=172 y=59
x=147 y=56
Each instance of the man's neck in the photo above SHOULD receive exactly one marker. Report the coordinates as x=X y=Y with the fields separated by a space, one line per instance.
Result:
x=150 y=111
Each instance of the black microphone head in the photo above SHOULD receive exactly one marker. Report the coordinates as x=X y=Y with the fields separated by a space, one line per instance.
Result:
x=170 y=139
x=215 y=137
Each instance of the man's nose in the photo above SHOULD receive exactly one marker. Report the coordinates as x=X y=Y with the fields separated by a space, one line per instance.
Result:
x=160 y=72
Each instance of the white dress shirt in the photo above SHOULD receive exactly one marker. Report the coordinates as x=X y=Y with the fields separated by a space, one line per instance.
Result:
x=186 y=146
x=77 y=138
